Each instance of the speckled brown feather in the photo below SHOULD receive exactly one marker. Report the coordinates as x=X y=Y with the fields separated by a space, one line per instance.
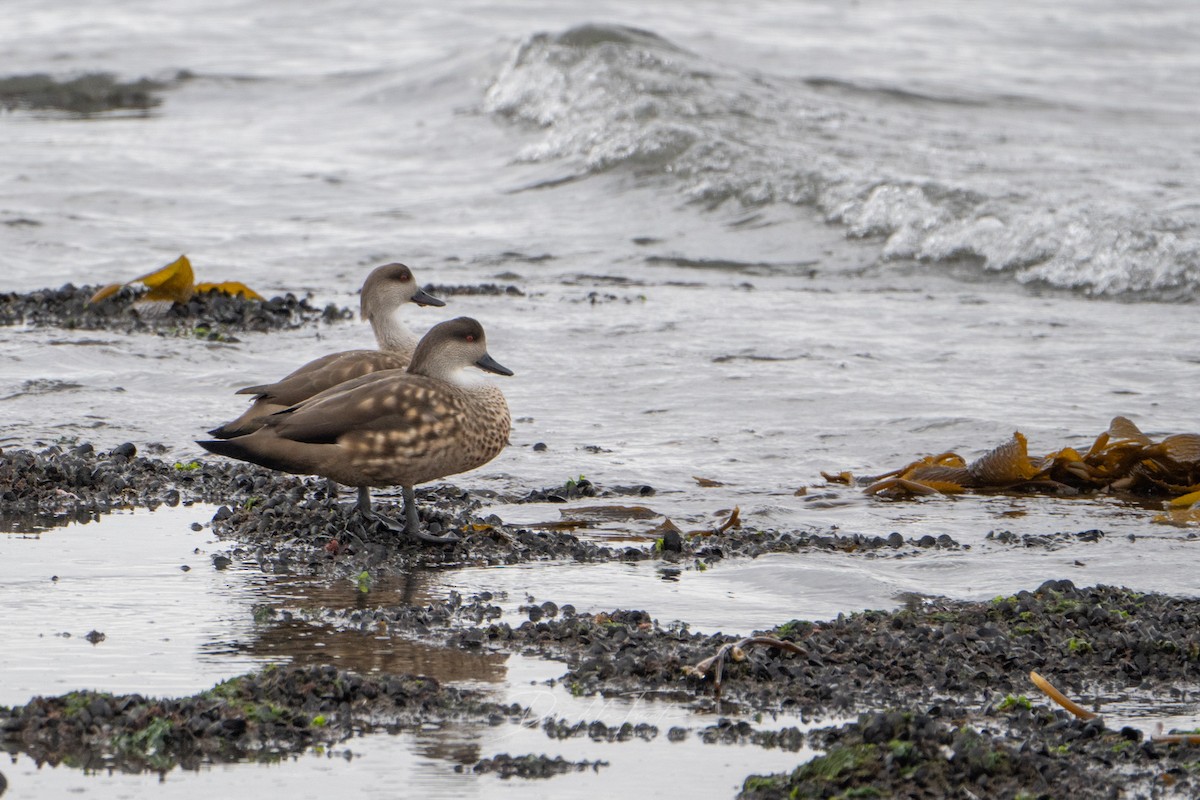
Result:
x=395 y=427
x=316 y=364
x=309 y=380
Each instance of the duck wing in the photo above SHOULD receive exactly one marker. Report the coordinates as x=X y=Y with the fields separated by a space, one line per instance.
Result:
x=325 y=373
x=393 y=406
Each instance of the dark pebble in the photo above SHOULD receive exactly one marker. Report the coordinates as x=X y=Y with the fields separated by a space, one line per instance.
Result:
x=127 y=450
x=672 y=542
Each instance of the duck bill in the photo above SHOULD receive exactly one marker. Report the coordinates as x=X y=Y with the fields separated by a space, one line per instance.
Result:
x=489 y=364
x=424 y=298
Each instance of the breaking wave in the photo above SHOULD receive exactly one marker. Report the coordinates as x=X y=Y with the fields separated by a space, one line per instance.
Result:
x=1001 y=182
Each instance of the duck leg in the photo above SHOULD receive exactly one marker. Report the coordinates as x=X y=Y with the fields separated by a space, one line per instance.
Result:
x=414 y=522
x=413 y=526
x=364 y=502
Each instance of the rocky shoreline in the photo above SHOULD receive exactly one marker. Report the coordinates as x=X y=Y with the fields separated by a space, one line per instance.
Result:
x=208 y=315
x=940 y=688
x=325 y=536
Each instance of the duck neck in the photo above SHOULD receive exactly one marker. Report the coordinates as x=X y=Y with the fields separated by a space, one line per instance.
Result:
x=391 y=334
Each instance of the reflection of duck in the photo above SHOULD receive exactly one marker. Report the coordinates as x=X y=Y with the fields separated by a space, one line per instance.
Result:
x=396 y=427
x=386 y=290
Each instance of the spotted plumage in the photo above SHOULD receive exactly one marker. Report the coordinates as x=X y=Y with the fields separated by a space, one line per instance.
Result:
x=394 y=427
x=386 y=290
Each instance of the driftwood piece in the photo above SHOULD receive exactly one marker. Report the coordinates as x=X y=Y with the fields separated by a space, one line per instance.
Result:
x=736 y=651
x=1059 y=697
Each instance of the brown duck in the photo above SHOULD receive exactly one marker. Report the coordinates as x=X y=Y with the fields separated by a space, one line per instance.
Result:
x=394 y=427
x=386 y=290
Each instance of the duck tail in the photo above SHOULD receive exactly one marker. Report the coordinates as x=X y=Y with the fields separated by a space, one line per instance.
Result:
x=246 y=448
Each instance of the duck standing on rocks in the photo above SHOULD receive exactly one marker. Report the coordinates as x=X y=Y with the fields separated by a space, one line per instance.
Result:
x=386 y=290
x=394 y=427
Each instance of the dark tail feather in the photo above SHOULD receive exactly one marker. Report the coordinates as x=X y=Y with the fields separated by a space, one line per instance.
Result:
x=239 y=427
x=222 y=432
x=224 y=447
x=237 y=448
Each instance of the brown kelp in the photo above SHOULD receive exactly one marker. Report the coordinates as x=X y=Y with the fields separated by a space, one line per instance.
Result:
x=1122 y=460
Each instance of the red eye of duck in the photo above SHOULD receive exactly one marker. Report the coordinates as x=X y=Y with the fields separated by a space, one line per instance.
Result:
x=470 y=337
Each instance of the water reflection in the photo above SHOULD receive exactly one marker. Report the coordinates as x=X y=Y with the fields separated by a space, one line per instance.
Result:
x=76 y=514
x=453 y=744
x=39 y=522
x=173 y=624
x=282 y=592
x=306 y=643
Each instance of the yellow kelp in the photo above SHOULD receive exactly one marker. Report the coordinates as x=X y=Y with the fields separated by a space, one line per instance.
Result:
x=176 y=283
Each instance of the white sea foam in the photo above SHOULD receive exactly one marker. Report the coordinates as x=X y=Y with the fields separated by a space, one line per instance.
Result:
x=934 y=178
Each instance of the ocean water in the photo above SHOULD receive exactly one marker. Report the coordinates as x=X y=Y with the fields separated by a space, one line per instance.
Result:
x=756 y=242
